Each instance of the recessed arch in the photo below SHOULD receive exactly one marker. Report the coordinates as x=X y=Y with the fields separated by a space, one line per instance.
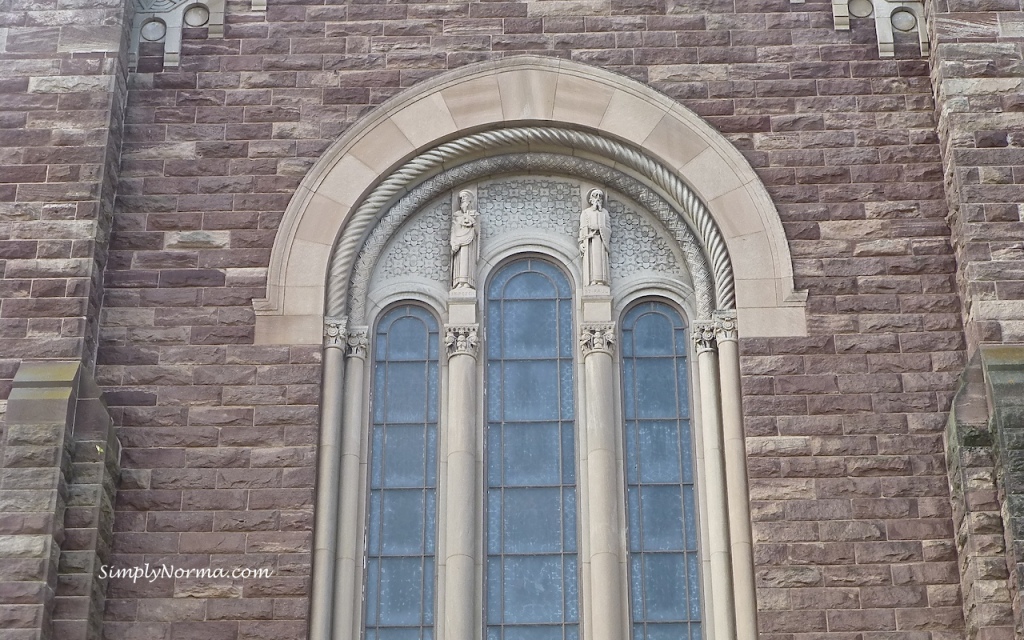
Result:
x=539 y=91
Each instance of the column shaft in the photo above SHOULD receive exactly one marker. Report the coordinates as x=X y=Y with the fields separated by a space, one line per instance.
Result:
x=717 y=502
x=738 y=493
x=602 y=475
x=349 y=524
x=462 y=522
x=328 y=472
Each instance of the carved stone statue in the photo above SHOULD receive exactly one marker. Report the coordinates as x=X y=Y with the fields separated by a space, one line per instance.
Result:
x=465 y=242
x=595 y=239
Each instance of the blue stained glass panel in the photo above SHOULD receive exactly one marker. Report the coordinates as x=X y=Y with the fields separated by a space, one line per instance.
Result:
x=531 y=591
x=532 y=520
x=404 y=464
x=530 y=454
x=402 y=518
x=664 y=577
x=531 y=390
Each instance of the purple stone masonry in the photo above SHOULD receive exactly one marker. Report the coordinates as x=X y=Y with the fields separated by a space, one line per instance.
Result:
x=852 y=517
x=978 y=77
x=856 y=533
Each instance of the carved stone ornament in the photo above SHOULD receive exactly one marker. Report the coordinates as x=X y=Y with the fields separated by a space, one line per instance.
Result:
x=704 y=337
x=356 y=344
x=465 y=242
x=597 y=337
x=461 y=340
x=595 y=239
x=691 y=213
x=517 y=203
x=905 y=16
x=725 y=326
x=335 y=332
x=163 y=20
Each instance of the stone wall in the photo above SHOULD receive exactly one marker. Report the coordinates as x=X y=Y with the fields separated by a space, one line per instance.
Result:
x=978 y=76
x=853 y=528
x=62 y=90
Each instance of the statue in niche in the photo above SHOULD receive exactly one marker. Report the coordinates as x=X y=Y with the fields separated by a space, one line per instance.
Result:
x=595 y=239
x=465 y=243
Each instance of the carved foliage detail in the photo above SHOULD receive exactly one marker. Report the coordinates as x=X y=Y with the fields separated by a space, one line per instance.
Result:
x=725 y=326
x=357 y=343
x=704 y=336
x=335 y=329
x=461 y=340
x=597 y=337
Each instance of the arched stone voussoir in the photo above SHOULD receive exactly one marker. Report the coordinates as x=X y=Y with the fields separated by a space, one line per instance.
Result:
x=541 y=91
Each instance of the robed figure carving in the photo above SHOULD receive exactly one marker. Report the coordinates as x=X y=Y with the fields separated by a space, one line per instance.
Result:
x=595 y=239
x=465 y=242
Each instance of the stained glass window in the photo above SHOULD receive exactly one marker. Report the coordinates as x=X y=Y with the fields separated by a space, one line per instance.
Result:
x=660 y=496
x=402 y=524
x=532 y=587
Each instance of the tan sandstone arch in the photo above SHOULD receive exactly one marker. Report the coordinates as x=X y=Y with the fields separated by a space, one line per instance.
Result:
x=528 y=90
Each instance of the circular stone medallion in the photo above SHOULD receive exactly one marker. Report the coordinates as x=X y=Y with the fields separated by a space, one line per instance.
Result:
x=197 y=16
x=903 y=20
x=154 y=30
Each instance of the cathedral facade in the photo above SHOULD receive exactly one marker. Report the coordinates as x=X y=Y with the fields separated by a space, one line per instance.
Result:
x=525 y=320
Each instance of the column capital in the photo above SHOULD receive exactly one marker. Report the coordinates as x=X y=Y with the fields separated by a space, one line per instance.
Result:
x=597 y=336
x=725 y=326
x=357 y=343
x=335 y=332
x=704 y=337
x=461 y=339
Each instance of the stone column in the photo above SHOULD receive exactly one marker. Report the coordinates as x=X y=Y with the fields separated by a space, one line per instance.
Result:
x=606 y=548
x=324 y=536
x=736 y=476
x=349 y=523
x=714 y=474
x=462 y=522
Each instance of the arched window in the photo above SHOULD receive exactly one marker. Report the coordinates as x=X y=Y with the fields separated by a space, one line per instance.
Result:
x=660 y=495
x=529 y=468
x=532 y=582
x=401 y=528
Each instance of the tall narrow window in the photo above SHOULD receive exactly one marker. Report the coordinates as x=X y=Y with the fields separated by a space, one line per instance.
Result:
x=532 y=584
x=403 y=478
x=662 y=507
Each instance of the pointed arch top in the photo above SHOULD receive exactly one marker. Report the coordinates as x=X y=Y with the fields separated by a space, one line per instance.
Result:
x=528 y=90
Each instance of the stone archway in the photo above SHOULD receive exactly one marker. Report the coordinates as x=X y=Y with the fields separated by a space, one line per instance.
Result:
x=538 y=91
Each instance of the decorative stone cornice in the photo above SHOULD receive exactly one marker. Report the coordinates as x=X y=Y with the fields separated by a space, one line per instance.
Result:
x=163 y=20
x=357 y=343
x=906 y=16
x=725 y=326
x=704 y=337
x=461 y=340
x=597 y=336
x=335 y=332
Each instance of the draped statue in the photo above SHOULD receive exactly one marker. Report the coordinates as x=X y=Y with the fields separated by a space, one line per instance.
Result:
x=465 y=243
x=595 y=239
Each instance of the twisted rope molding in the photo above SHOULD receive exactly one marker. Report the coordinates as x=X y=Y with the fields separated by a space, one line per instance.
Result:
x=546 y=162
x=693 y=211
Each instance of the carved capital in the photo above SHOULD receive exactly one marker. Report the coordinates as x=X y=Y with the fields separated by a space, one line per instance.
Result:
x=461 y=340
x=704 y=337
x=597 y=336
x=725 y=326
x=356 y=344
x=335 y=329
